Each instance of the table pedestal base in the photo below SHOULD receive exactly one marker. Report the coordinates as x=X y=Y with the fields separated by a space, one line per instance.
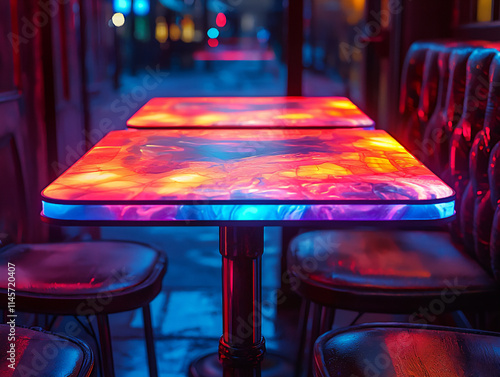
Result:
x=272 y=366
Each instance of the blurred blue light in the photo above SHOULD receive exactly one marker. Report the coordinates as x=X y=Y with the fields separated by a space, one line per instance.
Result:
x=141 y=7
x=122 y=6
x=213 y=33
x=263 y=35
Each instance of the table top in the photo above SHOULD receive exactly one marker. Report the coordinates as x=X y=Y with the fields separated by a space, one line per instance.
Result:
x=271 y=177
x=250 y=112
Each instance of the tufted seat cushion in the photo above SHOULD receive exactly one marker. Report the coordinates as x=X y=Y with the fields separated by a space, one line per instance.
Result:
x=79 y=268
x=394 y=350
x=44 y=354
x=382 y=260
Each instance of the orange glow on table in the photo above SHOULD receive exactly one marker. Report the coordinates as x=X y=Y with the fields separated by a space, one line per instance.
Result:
x=251 y=112
x=275 y=175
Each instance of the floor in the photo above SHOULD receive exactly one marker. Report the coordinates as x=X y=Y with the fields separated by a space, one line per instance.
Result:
x=187 y=314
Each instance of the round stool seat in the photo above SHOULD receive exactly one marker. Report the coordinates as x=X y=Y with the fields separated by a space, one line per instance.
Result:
x=393 y=350
x=336 y=267
x=43 y=354
x=72 y=271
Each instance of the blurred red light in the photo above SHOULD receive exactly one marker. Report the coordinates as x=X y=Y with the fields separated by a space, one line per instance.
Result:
x=221 y=20
x=213 y=42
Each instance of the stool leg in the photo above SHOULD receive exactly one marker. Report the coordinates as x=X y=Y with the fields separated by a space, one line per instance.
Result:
x=302 y=336
x=150 y=341
x=327 y=319
x=316 y=322
x=105 y=345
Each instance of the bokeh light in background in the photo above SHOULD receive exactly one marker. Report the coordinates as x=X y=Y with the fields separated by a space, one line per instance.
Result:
x=213 y=33
x=484 y=10
x=118 y=19
x=122 y=6
x=247 y=23
x=142 y=32
x=141 y=7
x=187 y=26
x=161 y=31
x=263 y=35
x=354 y=10
x=175 y=32
x=220 y=20
x=213 y=42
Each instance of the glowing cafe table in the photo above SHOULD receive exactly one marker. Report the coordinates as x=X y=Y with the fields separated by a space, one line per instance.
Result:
x=250 y=112
x=241 y=181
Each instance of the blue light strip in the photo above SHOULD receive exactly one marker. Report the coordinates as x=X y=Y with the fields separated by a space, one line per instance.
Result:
x=247 y=212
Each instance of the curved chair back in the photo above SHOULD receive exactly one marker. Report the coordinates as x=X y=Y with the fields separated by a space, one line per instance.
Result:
x=412 y=86
x=452 y=66
x=471 y=122
x=430 y=87
x=494 y=184
x=460 y=135
x=476 y=212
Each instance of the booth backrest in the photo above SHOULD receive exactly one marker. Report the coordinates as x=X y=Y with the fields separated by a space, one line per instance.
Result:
x=494 y=183
x=411 y=92
x=435 y=147
x=462 y=138
x=457 y=137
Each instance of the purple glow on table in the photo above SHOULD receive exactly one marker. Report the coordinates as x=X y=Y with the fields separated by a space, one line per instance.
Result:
x=248 y=212
x=243 y=175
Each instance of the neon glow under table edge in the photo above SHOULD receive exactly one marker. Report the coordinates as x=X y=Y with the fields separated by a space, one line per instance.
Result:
x=242 y=180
